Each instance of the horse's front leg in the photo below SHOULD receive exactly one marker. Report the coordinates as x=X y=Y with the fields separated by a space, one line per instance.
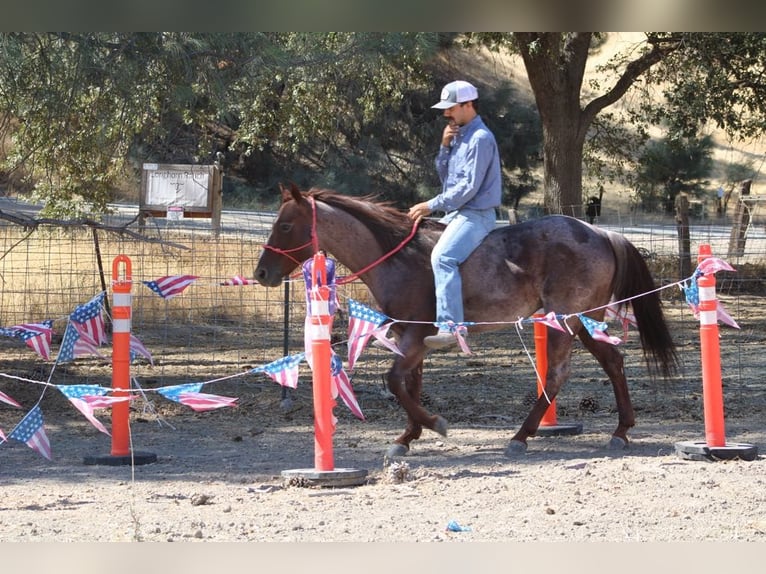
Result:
x=406 y=383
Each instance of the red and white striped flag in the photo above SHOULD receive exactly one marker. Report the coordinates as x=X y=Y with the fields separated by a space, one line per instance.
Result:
x=171 y=285
x=239 y=280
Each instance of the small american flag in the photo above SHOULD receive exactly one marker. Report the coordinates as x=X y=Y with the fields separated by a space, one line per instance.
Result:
x=344 y=387
x=137 y=348
x=205 y=402
x=549 y=320
x=597 y=330
x=76 y=343
x=362 y=321
x=284 y=371
x=37 y=336
x=32 y=432
x=239 y=280
x=89 y=317
x=171 y=285
x=6 y=399
x=173 y=392
x=81 y=396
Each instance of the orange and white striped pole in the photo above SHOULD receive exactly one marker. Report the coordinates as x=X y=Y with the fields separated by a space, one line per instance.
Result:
x=121 y=324
x=715 y=446
x=710 y=349
x=122 y=303
x=321 y=358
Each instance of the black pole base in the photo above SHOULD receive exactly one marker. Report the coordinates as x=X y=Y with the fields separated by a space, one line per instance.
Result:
x=701 y=451
x=135 y=458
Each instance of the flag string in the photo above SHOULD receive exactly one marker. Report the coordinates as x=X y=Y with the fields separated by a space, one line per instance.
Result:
x=189 y=393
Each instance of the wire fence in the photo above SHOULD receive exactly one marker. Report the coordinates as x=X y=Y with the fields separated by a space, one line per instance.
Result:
x=214 y=330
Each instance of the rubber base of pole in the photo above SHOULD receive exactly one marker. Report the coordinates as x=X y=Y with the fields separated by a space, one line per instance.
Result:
x=560 y=429
x=330 y=478
x=136 y=458
x=701 y=451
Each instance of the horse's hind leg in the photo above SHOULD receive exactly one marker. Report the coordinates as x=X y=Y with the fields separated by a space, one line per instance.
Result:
x=612 y=362
x=559 y=350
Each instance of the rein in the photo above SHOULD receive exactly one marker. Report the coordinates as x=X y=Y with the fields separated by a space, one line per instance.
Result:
x=314 y=242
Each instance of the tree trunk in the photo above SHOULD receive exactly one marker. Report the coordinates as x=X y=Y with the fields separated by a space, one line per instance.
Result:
x=562 y=165
x=555 y=65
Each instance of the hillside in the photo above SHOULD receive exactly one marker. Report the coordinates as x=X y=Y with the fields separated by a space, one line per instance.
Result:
x=488 y=68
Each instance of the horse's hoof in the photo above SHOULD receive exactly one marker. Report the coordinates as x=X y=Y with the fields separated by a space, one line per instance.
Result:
x=286 y=405
x=397 y=450
x=515 y=449
x=440 y=426
x=617 y=443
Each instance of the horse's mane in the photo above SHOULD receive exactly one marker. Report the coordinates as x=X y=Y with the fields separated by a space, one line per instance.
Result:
x=389 y=225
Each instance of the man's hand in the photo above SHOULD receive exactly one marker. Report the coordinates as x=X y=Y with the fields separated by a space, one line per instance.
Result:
x=449 y=133
x=419 y=211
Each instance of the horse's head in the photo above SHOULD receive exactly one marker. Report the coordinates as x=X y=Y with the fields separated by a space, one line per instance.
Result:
x=290 y=241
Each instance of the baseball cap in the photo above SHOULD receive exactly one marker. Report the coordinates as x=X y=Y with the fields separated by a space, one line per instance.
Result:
x=455 y=93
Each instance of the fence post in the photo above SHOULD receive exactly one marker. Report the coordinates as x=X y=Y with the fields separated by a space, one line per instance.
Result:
x=121 y=453
x=715 y=446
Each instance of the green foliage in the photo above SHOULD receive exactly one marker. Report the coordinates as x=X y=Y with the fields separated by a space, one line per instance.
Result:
x=717 y=78
x=672 y=165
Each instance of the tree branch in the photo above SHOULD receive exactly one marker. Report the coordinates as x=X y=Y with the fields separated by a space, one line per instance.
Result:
x=660 y=48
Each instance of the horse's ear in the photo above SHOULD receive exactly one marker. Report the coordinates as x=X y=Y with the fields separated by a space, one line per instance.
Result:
x=291 y=192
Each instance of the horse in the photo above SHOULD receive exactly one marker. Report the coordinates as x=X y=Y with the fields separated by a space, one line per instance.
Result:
x=555 y=263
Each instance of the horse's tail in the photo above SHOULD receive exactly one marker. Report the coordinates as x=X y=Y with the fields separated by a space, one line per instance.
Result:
x=633 y=281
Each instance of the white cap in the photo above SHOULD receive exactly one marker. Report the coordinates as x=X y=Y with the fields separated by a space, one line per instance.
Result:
x=455 y=93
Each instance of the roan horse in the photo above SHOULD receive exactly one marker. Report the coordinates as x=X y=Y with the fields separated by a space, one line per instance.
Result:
x=555 y=263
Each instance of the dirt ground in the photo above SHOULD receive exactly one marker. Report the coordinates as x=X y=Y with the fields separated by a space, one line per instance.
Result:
x=218 y=475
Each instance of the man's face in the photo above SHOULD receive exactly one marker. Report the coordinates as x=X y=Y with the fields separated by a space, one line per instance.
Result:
x=460 y=114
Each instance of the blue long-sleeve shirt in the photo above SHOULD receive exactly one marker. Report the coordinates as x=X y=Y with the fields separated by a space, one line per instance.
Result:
x=469 y=170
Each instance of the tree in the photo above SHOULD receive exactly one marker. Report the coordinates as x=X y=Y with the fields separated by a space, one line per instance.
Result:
x=710 y=76
x=673 y=165
x=76 y=106
x=81 y=109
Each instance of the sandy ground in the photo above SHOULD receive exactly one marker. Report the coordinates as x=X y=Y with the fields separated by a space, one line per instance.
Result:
x=211 y=487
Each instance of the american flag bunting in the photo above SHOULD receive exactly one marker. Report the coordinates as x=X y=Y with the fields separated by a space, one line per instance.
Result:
x=81 y=396
x=597 y=330
x=32 y=432
x=238 y=280
x=362 y=321
x=37 y=336
x=90 y=319
x=171 y=285
x=205 y=402
x=137 y=348
x=344 y=387
x=76 y=343
x=284 y=371
x=6 y=399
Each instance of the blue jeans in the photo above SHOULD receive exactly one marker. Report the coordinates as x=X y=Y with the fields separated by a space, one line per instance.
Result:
x=466 y=229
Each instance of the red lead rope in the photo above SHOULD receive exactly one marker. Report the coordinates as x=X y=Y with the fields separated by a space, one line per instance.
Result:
x=314 y=241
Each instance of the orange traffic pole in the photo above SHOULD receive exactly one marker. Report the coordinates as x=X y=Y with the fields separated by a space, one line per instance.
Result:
x=121 y=319
x=712 y=388
x=715 y=446
x=321 y=357
x=541 y=358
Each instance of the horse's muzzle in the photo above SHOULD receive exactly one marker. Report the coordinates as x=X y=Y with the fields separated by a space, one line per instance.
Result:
x=265 y=278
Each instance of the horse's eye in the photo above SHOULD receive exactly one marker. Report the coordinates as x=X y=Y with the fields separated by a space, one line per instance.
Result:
x=285 y=227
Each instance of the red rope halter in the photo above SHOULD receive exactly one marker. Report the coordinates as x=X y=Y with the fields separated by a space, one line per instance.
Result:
x=314 y=241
